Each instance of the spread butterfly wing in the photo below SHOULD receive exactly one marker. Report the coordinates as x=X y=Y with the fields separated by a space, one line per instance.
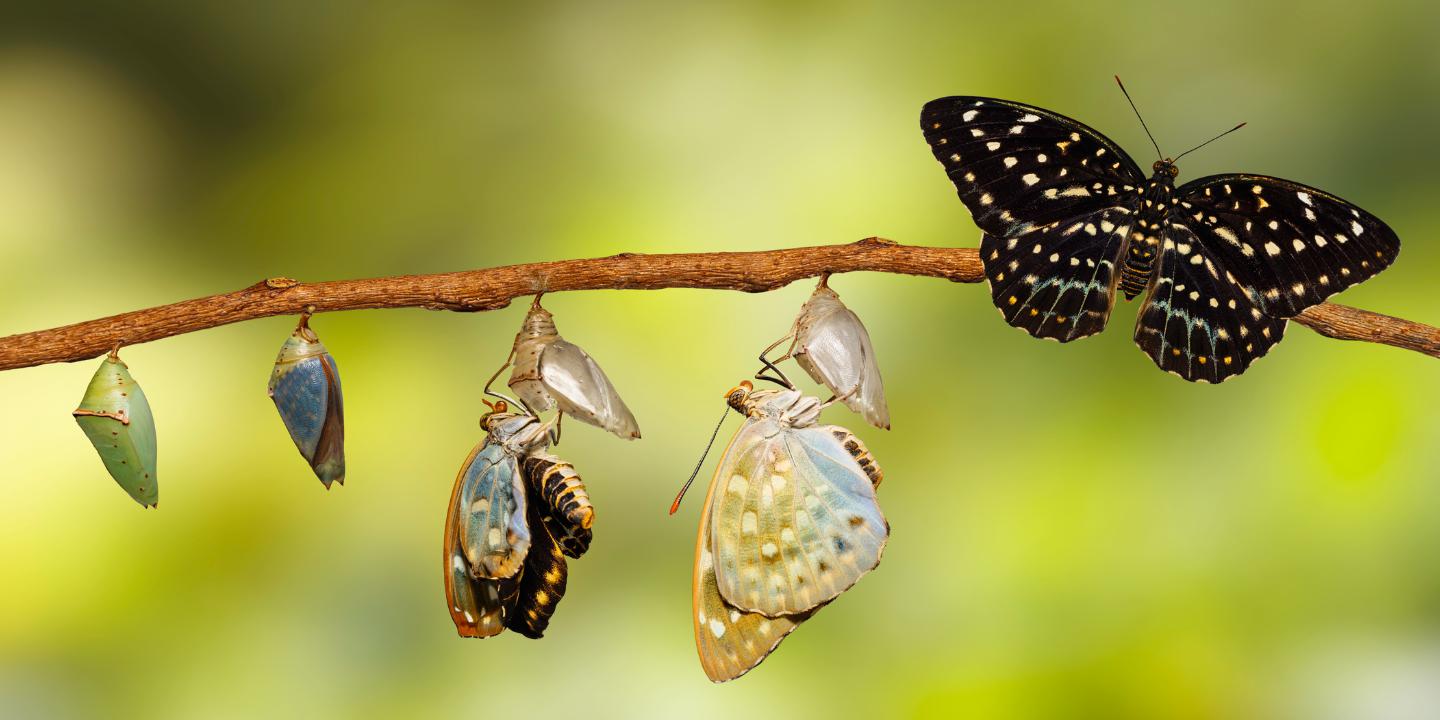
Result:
x=730 y=641
x=477 y=606
x=1017 y=166
x=794 y=519
x=1058 y=280
x=1054 y=198
x=582 y=389
x=1294 y=244
x=493 y=530
x=1200 y=320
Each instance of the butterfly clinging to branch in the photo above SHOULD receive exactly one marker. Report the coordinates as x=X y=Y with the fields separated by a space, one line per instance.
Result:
x=1223 y=261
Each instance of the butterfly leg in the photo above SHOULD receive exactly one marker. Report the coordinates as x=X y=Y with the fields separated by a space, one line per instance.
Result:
x=840 y=398
x=769 y=365
x=514 y=402
x=555 y=431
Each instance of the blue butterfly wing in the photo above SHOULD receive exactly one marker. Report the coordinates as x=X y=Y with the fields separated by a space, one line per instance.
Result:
x=477 y=606
x=493 y=529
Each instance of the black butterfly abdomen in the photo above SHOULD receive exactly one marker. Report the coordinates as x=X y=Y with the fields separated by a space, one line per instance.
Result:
x=1143 y=245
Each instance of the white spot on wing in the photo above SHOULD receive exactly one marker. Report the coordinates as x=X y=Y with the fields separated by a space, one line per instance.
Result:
x=738 y=485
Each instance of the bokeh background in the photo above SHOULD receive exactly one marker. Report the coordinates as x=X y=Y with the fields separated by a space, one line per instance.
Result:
x=1076 y=534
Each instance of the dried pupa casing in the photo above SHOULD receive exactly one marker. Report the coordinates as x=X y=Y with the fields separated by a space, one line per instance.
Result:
x=305 y=386
x=116 y=417
x=551 y=372
x=832 y=345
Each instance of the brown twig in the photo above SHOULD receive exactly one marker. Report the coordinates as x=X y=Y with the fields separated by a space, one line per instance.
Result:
x=477 y=290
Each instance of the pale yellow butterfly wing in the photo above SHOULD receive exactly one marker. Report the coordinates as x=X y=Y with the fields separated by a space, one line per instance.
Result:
x=730 y=642
x=794 y=520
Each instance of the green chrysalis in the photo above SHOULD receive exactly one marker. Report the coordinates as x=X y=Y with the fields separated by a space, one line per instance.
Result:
x=116 y=417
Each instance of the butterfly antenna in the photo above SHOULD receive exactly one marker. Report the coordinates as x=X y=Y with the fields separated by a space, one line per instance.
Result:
x=1137 y=115
x=1207 y=142
x=676 y=505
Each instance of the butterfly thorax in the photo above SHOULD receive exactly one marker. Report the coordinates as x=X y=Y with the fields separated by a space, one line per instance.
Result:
x=1157 y=196
x=788 y=408
x=517 y=433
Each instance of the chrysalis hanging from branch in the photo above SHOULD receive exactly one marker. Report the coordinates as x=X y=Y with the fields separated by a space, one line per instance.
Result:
x=832 y=345
x=116 y=418
x=305 y=386
x=551 y=372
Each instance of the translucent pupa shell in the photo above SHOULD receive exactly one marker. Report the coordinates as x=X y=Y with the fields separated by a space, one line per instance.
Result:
x=551 y=372
x=832 y=345
x=305 y=386
x=116 y=417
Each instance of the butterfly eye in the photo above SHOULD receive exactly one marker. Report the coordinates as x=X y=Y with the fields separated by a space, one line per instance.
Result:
x=1174 y=170
x=735 y=398
x=1157 y=166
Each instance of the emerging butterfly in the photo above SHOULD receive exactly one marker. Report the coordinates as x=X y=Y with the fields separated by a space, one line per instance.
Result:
x=1067 y=217
x=515 y=513
x=789 y=523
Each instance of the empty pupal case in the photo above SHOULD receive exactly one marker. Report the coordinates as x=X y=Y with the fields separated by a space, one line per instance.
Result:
x=834 y=348
x=552 y=372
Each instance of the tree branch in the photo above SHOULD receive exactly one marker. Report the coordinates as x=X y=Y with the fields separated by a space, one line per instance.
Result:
x=494 y=288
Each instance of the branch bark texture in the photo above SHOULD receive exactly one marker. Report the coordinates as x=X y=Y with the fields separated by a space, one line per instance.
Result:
x=494 y=288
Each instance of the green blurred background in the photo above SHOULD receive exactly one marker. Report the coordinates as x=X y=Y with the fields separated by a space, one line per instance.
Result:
x=1076 y=534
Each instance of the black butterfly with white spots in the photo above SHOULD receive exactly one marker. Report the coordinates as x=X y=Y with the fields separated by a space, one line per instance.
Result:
x=1068 y=217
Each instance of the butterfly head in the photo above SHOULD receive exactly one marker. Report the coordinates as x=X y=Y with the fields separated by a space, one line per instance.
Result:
x=497 y=409
x=738 y=396
x=1165 y=168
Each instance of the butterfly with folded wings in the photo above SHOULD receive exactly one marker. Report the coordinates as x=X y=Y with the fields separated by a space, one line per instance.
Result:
x=515 y=513
x=790 y=522
x=1068 y=218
